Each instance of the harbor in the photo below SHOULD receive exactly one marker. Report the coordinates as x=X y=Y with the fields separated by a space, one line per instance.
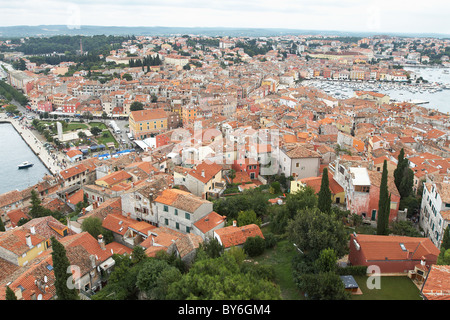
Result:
x=35 y=145
x=434 y=93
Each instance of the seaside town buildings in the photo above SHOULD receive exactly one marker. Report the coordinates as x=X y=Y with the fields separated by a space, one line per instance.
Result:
x=209 y=109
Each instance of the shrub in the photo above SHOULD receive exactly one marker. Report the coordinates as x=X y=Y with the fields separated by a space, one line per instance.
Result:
x=254 y=246
x=352 y=270
x=271 y=240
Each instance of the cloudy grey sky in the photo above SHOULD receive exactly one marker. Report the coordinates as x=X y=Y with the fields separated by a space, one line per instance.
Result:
x=342 y=15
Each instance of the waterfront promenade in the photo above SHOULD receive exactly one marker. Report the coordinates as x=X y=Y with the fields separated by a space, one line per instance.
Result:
x=51 y=160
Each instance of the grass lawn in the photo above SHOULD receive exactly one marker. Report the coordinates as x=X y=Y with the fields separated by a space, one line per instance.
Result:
x=104 y=140
x=391 y=288
x=100 y=125
x=75 y=126
x=280 y=258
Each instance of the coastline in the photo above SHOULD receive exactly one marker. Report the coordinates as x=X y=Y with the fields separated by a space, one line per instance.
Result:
x=34 y=144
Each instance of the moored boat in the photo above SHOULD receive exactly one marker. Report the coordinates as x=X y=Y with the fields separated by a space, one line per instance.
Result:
x=25 y=164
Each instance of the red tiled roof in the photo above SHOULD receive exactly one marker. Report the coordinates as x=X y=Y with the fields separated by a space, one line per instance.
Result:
x=205 y=171
x=234 y=236
x=72 y=171
x=437 y=285
x=377 y=247
x=209 y=222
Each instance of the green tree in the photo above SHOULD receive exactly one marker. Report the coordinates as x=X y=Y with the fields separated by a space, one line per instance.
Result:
x=407 y=182
x=254 y=246
x=212 y=248
x=150 y=274
x=127 y=77
x=2 y=225
x=232 y=175
x=82 y=135
x=93 y=225
x=305 y=198
x=446 y=238
x=404 y=228
x=312 y=231
x=383 y=204
x=248 y=217
x=219 y=279
x=444 y=257
x=322 y=286
x=61 y=266
x=36 y=210
x=324 y=200
x=96 y=131
x=398 y=172
x=136 y=106
x=327 y=261
x=10 y=295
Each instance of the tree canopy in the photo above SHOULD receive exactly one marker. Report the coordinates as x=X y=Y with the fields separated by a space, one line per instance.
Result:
x=312 y=231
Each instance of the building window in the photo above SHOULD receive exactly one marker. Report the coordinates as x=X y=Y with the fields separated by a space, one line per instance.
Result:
x=166 y=222
x=187 y=216
x=166 y=208
x=188 y=230
x=176 y=212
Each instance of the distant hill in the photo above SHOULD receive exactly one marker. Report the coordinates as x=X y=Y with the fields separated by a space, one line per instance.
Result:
x=51 y=30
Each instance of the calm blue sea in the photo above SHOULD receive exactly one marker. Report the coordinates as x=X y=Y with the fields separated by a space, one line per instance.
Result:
x=13 y=151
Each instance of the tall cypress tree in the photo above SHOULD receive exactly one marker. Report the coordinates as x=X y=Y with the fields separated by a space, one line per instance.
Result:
x=324 y=201
x=60 y=266
x=446 y=239
x=398 y=172
x=383 y=204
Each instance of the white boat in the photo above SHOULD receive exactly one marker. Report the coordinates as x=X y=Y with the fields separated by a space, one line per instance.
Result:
x=25 y=164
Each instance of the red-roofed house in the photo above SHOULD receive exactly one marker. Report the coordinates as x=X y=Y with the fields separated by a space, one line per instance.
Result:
x=391 y=254
x=204 y=179
x=249 y=165
x=74 y=155
x=234 y=236
x=206 y=226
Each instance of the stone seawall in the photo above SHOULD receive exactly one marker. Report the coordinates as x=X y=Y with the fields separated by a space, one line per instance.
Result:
x=34 y=144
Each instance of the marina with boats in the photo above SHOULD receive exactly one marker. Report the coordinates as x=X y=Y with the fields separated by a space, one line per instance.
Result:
x=435 y=91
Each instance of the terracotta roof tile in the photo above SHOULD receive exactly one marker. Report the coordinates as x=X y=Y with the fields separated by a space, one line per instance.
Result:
x=209 y=222
x=234 y=236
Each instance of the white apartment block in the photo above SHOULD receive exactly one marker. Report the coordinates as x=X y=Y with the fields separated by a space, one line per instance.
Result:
x=435 y=210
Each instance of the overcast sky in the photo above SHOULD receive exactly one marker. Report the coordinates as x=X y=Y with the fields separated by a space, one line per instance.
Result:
x=342 y=15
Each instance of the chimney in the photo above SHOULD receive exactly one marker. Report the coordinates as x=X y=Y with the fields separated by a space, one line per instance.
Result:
x=33 y=230
x=203 y=173
x=92 y=258
x=234 y=223
x=28 y=240
x=101 y=242
x=18 y=294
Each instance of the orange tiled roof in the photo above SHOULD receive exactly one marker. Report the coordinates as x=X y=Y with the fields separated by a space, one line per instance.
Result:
x=377 y=247
x=210 y=169
x=437 y=285
x=234 y=236
x=209 y=222
x=72 y=171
